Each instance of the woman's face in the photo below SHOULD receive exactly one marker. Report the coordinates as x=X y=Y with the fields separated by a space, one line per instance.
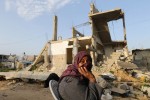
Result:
x=83 y=62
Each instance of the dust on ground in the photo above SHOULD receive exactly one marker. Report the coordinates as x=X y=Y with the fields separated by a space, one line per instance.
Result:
x=10 y=90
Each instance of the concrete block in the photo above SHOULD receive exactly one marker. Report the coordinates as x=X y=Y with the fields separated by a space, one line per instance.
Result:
x=146 y=89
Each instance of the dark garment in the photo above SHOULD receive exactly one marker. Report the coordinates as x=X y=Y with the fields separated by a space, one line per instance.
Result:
x=72 y=88
x=70 y=71
x=52 y=76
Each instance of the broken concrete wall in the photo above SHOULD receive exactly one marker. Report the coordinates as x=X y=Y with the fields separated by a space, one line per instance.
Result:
x=142 y=58
x=58 y=53
x=61 y=52
x=109 y=49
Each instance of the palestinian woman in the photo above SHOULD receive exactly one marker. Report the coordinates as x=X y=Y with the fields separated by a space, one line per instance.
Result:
x=77 y=82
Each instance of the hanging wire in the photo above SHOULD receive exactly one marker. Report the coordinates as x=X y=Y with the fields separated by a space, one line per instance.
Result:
x=113 y=31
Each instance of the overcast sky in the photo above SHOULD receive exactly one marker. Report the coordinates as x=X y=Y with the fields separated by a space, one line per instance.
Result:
x=26 y=25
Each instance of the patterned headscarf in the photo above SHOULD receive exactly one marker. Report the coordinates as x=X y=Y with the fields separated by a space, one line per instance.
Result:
x=72 y=70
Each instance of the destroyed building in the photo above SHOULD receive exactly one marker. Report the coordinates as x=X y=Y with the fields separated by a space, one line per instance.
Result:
x=57 y=54
x=8 y=61
x=123 y=76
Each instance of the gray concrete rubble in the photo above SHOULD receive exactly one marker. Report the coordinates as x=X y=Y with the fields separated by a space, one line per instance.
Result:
x=127 y=65
x=146 y=89
x=41 y=76
x=119 y=73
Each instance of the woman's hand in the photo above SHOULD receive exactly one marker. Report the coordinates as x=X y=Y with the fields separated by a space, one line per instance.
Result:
x=87 y=74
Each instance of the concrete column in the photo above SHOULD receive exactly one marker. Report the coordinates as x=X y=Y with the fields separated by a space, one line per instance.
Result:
x=124 y=28
x=46 y=57
x=55 y=29
x=75 y=47
x=126 y=52
x=93 y=53
x=73 y=32
x=93 y=9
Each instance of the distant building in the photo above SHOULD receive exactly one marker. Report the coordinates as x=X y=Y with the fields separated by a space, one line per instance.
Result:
x=141 y=57
x=8 y=60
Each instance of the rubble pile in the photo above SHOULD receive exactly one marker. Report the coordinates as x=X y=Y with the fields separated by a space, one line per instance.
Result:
x=124 y=80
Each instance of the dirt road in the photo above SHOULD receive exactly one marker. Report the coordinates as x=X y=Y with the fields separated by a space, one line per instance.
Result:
x=23 y=91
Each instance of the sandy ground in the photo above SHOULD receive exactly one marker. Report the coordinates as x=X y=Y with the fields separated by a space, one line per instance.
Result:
x=10 y=90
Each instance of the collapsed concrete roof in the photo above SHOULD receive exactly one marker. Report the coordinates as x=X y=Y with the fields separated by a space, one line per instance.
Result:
x=99 y=23
x=140 y=50
x=107 y=16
